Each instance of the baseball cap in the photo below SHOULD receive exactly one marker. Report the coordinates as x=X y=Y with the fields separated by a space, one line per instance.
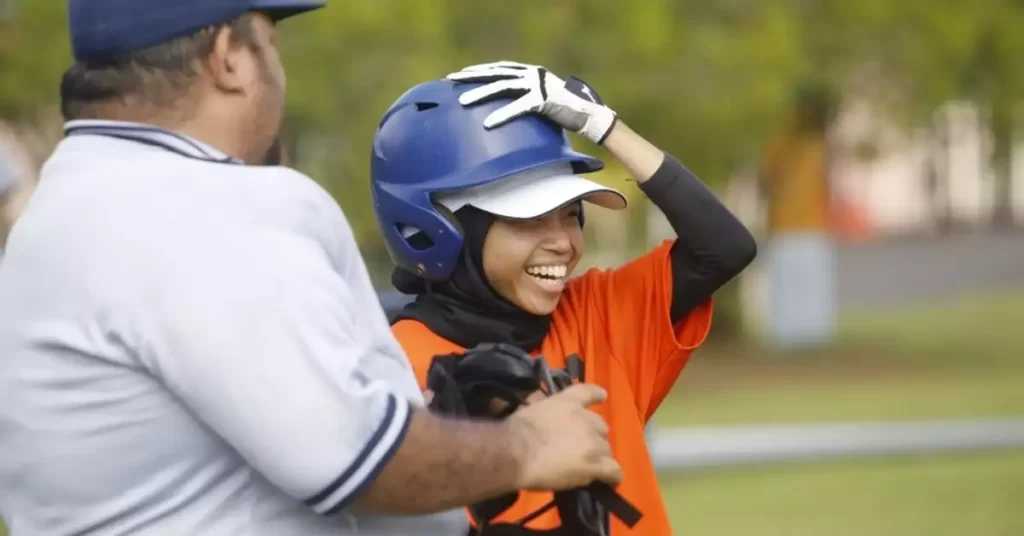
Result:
x=102 y=28
x=534 y=193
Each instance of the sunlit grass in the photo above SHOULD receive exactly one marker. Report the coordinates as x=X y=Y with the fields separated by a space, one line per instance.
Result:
x=963 y=359
x=975 y=495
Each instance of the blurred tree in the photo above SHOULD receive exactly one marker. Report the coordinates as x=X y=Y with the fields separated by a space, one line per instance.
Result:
x=712 y=82
x=964 y=51
x=995 y=81
x=702 y=87
x=34 y=51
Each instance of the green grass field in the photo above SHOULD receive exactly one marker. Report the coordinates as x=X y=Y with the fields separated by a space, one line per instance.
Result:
x=960 y=360
x=966 y=495
x=963 y=359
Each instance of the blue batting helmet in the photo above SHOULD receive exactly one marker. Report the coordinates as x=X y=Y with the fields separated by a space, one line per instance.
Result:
x=428 y=144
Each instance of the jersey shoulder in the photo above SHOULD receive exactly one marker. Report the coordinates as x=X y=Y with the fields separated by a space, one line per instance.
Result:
x=421 y=345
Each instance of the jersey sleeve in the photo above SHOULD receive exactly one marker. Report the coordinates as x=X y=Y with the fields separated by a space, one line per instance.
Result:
x=259 y=340
x=629 y=310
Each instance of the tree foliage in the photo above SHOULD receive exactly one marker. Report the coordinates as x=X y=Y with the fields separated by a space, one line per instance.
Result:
x=709 y=81
x=34 y=51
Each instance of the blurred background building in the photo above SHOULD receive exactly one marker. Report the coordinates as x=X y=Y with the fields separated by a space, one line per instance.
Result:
x=875 y=148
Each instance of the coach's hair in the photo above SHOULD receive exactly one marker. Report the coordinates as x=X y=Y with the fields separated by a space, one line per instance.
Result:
x=158 y=76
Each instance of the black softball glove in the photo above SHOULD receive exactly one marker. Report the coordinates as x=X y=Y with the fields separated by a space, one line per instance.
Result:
x=491 y=381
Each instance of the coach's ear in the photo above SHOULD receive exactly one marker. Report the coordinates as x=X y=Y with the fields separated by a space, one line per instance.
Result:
x=233 y=67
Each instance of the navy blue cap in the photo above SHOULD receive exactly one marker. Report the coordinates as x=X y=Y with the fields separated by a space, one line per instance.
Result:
x=103 y=28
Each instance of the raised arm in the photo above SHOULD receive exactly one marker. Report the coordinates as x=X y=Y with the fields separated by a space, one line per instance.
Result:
x=712 y=245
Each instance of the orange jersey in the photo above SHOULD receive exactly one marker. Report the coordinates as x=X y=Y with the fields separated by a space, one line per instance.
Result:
x=618 y=322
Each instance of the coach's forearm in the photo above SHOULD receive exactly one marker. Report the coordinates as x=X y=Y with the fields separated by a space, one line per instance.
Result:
x=447 y=463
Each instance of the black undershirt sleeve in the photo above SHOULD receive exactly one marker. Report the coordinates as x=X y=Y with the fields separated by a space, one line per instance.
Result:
x=712 y=247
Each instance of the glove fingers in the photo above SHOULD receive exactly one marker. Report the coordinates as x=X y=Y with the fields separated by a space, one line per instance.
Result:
x=478 y=78
x=507 y=113
x=496 y=90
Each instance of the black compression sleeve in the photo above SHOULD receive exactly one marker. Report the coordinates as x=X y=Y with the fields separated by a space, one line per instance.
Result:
x=713 y=246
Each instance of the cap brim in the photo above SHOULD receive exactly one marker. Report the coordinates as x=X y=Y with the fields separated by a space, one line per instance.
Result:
x=282 y=9
x=523 y=200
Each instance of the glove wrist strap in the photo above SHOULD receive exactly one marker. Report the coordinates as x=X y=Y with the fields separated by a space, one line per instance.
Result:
x=599 y=124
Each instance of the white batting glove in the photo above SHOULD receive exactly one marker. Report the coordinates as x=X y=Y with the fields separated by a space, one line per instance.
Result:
x=573 y=104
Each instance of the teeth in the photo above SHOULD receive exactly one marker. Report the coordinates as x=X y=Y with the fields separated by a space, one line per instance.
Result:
x=554 y=271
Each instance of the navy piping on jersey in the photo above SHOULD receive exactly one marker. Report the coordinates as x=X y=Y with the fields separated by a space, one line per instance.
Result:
x=151 y=136
x=344 y=502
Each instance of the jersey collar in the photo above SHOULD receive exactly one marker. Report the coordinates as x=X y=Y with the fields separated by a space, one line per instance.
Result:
x=174 y=142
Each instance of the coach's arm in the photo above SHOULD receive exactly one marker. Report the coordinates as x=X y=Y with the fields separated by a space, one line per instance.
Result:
x=444 y=463
x=268 y=352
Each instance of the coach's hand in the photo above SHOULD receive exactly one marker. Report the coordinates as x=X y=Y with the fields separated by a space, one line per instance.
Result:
x=566 y=443
x=572 y=104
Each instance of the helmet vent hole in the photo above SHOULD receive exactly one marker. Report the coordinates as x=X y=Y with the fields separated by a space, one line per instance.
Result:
x=416 y=239
x=424 y=106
